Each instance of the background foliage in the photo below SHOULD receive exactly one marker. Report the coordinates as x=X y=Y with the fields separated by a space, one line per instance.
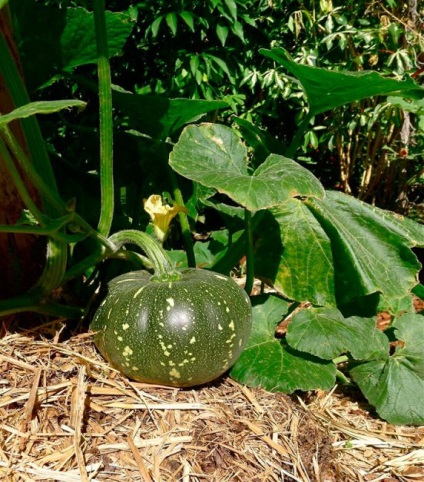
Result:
x=210 y=50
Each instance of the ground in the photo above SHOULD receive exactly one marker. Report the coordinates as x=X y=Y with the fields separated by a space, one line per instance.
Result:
x=65 y=415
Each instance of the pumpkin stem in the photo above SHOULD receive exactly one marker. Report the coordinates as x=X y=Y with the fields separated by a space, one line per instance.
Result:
x=162 y=265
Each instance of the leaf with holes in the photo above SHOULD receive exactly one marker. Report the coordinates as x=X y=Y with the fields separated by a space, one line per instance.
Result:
x=214 y=156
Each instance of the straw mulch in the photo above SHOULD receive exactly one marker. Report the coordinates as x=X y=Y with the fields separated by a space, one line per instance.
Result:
x=65 y=415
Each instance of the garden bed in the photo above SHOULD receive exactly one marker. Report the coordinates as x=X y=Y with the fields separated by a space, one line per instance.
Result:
x=65 y=415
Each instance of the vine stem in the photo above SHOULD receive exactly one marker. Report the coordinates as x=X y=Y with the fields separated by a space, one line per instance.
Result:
x=31 y=302
x=183 y=218
x=250 y=259
x=162 y=265
x=105 y=120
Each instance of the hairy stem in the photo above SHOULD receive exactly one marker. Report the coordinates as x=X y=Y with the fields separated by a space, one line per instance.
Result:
x=105 y=119
x=162 y=265
x=183 y=218
x=250 y=259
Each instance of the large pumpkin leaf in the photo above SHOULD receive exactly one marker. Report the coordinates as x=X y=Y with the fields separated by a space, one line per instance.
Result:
x=270 y=363
x=294 y=252
x=326 y=89
x=395 y=384
x=262 y=143
x=52 y=40
x=325 y=333
x=158 y=116
x=371 y=247
x=214 y=156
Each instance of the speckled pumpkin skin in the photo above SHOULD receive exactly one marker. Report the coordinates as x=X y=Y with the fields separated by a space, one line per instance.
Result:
x=181 y=333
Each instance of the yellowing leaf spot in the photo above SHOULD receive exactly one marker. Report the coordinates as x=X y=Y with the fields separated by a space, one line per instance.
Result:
x=218 y=141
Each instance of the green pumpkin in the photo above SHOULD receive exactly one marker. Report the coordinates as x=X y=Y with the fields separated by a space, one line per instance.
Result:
x=178 y=332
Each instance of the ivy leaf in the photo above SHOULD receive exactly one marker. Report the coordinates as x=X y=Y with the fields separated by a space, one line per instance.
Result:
x=172 y=22
x=371 y=247
x=214 y=156
x=222 y=33
x=294 y=253
x=154 y=27
x=325 y=333
x=188 y=18
x=232 y=8
x=237 y=29
x=270 y=363
x=326 y=89
x=220 y=63
x=395 y=384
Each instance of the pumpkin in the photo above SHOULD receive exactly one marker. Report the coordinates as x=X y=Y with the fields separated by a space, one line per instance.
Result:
x=182 y=329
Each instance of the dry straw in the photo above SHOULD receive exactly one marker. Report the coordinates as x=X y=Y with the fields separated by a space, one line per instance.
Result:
x=65 y=415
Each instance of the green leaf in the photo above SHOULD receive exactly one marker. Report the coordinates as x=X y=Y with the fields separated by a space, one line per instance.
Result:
x=194 y=64
x=237 y=29
x=326 y=89
x=53 y=40
x=172 y=22
x=395 y=384
x=371 y=247
x=214 y=156
x=222 y=33
x=259 y=140
x=270 y=363
x=155 y=25
x=232 y=8
x=409 y=105
x=160 y=117
x=188 y=18
x=40 y=107
x=294 y=253
x=209 y=252
x=78 y=41
x=220 y=63
x=325 y=333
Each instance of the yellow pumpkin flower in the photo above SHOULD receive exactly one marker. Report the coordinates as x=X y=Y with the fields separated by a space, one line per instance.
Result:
x=161 y=215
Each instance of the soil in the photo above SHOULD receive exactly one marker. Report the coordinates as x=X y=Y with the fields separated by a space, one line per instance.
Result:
x=65 y=415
